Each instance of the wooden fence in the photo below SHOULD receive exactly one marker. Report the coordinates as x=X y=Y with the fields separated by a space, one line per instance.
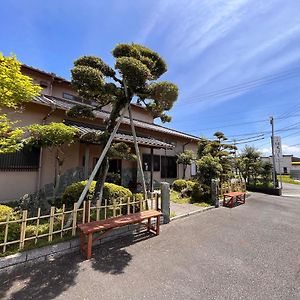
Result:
x=237 y=186
x=18 y=230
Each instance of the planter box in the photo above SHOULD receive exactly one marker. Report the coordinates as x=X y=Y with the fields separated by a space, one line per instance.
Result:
x=265 y=190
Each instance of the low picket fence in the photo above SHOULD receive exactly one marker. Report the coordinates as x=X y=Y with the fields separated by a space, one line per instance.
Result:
x=19 y=229
x=227 y=187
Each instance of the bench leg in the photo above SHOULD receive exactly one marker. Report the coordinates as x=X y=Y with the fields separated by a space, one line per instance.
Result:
x=89 y=246
x=157 y=225
x=149 y=224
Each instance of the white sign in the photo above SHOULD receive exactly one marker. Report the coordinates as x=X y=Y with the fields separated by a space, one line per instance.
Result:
x=277 y=147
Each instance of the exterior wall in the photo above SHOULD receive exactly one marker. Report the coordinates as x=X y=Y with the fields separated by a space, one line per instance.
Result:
x=74 y=154
x=285 y=162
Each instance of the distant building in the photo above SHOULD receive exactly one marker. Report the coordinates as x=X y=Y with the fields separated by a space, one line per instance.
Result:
x=289 y=164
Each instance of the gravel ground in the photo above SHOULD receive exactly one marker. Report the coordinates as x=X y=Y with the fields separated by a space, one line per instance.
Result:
x=249 y=252
x=182 y=209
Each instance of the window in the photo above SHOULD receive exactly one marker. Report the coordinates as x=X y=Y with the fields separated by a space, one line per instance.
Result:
x=285 y=170
x=23 y=160
x=168 y=167
x=147 y=162
x=71 y=97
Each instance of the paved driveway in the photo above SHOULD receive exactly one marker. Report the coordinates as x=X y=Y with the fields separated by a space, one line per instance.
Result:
x=291 y=190
x=249 y=252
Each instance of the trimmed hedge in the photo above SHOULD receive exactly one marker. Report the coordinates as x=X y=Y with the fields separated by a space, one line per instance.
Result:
x=181 y=184
x=4 y=211
x=111 y=191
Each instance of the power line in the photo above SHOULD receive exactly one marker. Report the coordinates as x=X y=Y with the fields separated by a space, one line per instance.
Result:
x=246 y=85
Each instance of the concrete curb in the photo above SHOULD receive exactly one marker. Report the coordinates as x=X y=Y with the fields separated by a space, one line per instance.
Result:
x=201 y=210
x=51 y=252
x=192 y=213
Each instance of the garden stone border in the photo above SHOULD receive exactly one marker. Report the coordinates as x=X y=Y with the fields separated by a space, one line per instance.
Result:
x=56 y=250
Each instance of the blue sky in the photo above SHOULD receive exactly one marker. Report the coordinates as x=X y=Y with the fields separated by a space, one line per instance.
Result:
x=210 y=47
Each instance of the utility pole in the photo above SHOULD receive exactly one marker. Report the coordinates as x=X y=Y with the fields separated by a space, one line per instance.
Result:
x=273 y=152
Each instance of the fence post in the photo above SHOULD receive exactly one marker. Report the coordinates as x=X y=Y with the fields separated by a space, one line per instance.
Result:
x=23 y=229
x=215 y=192
x=165 y=201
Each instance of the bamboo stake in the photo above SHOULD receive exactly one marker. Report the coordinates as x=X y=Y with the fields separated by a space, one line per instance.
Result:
x=114 y=207
x=105 y=209
x=5 y=233
x=141 y=205
x=137 y=151
x=128 y=205
x=83 y=212
x=97 y=210
x=62 y=221
x=23 y=229
x=37 y=225
x=89 y=211
x=51 y=222
x=74 y=219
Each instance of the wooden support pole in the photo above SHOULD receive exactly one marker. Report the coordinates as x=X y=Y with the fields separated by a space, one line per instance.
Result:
x=137 y=151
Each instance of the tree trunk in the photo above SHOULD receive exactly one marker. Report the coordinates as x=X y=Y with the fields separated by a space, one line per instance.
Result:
x=115 y=113
x=184 y=170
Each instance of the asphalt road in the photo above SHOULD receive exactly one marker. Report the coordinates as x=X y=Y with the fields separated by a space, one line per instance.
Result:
x=291 y=190
x=249 y=252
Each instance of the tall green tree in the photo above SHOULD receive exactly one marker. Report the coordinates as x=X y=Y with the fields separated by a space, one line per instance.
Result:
x=134 y=76
x=249 y=164
x=185 y=158
x=220 y=150
x=15 y=89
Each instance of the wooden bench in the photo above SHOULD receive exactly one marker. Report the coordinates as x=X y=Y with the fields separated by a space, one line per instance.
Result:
x=234 y=197
x=105 y=226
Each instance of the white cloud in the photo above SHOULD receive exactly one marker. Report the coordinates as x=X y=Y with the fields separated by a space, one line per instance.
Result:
x=286 y=149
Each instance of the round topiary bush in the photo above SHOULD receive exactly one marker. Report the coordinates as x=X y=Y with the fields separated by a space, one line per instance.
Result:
x=111 y=191
x=4 y=211
x=13 y=228
x=179 y=185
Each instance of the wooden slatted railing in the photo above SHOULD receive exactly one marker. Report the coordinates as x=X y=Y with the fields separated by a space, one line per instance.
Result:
x=54 y=223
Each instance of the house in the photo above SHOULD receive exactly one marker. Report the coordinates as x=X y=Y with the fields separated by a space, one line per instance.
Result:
x=29 y=171
x=289 y=165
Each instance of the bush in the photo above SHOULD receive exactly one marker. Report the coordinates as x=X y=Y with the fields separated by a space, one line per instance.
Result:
x=179 y=185
x=201 y=193
x=13 y=228
x=111 y=191
x=4 y=211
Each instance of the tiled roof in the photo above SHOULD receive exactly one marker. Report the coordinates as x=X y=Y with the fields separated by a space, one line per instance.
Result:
x=121 y=137
x=67 y=104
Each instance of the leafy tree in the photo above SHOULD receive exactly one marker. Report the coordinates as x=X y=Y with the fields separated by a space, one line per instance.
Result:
x=208 y=168
x=185 y=158
x=15 y=89
x=133 y=77
x=52 y=136
x=10 y=138
x=249 y=164
x=266 y=172
x=218 y=149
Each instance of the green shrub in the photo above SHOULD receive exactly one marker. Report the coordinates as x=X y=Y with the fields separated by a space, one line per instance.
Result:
x=13 y=228
x=111 y=191
x=179 y=185
x=4 y=211
x=73 y=192
x=201 y=193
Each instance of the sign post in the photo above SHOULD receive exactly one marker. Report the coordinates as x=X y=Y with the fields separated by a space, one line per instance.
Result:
x=278 y=155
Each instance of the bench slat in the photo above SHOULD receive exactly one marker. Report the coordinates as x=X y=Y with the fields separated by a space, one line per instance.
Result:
x=110 y=223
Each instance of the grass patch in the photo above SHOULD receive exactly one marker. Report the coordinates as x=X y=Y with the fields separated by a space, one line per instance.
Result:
x=288 y=179
x=172 y=214
x=202 y=204
x=175 y=197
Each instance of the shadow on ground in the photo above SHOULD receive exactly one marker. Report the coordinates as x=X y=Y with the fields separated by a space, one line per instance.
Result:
x=48 y=279
x=112 y=258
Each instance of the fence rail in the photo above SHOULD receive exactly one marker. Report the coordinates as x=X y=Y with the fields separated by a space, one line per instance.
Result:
x=19 y=230
x=228 y=187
